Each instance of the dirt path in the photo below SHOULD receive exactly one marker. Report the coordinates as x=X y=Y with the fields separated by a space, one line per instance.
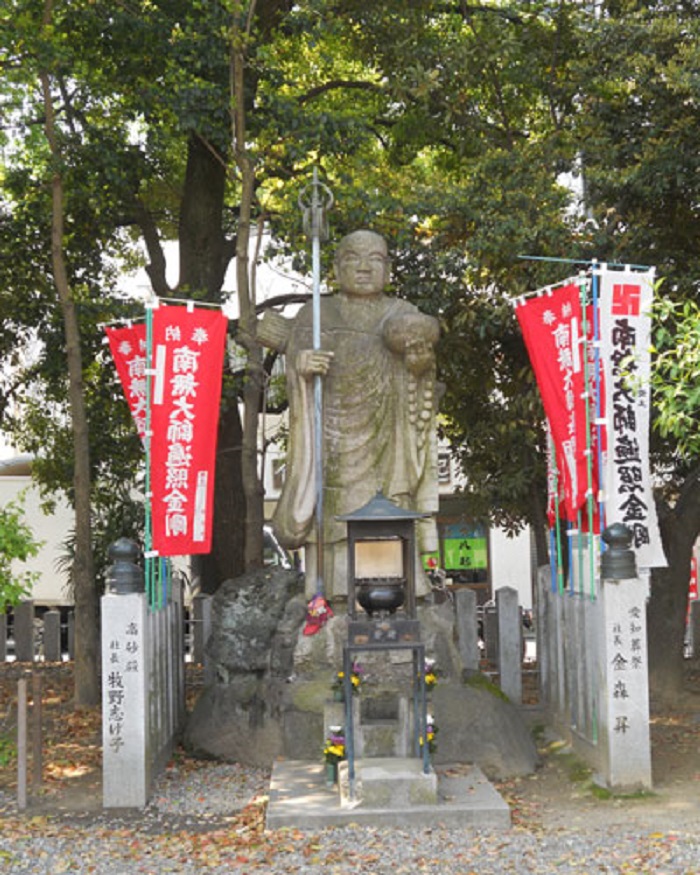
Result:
x=562 y=793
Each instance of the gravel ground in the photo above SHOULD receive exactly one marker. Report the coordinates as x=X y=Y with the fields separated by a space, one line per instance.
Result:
x=211 y=819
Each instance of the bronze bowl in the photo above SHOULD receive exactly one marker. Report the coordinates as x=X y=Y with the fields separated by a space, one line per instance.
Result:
x=381 y=595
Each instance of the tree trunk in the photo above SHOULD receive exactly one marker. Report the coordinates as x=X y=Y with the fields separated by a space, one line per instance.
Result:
x=226 y=560
x=252 y=393
x=86 y=672
x=204 y=252
x=666 y=611
x=204 y=257
x=539 y=527
x=666 y=626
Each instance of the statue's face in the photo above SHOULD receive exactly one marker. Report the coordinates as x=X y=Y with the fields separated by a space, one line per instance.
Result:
x=362 y=265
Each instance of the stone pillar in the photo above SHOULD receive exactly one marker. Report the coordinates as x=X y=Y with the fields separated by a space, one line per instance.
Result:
x=201 y=627
x=126 y=777
x=467 y=629
x=624 y=690
x=3 y=635
x=559 y=667
x=490 y=619
x=23 y=630
x=71 y=635
x=623 y=683
x=52 y=636
x=543 y=630
x=178 y=652
x=510 y=643
x=572 y=656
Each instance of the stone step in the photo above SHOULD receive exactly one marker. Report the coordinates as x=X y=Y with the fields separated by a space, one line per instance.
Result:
x=383 y=738
x=300 y=798
x=388 y=782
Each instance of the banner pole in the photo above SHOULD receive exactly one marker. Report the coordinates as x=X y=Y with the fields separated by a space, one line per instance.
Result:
x=595 y=293
x=315 y=226
x=590 y=498
x=318 y=381
x=148 y=510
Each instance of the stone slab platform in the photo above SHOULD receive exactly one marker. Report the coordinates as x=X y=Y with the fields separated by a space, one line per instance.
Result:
x=388 y=782
x=300 y=798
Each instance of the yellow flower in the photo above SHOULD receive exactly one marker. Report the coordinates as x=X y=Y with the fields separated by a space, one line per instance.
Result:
x=333 y=752
x=430 y=679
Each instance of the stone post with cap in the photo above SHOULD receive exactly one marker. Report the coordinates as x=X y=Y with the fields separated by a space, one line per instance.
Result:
x=623 y=687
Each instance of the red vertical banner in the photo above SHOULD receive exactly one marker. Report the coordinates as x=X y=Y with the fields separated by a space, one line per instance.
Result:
x=128 y=347
x=552 y=328
x=187 y=364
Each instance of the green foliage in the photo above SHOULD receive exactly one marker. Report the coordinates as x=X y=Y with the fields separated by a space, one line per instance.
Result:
x=8 y=749
x=676 y=374
x=638 y=132
x=17 y=544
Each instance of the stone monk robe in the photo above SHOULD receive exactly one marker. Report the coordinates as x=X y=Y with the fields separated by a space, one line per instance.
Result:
x=377 y=362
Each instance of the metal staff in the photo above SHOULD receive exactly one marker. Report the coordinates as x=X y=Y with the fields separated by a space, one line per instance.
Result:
x=316 y=227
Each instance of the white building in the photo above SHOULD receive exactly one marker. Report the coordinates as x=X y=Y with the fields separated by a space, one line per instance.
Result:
x=51 y=529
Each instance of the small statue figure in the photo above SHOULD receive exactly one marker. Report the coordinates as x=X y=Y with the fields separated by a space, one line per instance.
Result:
x=377 y=361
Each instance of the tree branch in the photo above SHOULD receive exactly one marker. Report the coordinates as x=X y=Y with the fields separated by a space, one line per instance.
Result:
x=466 y=9
x=336 y=84
x=156 y=268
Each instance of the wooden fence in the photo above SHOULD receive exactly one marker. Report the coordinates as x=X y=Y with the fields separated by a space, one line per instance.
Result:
x=31 y=633
x=34 y=634
x=495 y=639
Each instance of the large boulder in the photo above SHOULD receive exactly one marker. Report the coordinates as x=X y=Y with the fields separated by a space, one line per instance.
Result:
x=256 y=620
x=477 y=724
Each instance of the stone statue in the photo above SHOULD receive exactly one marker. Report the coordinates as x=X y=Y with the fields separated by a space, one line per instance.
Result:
x=377 y=362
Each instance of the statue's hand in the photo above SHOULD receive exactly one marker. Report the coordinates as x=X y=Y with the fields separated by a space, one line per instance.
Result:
x=419 y=356
x=311 y=362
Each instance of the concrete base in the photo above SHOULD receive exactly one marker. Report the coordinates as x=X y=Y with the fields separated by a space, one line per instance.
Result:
x=388 y=782
x=300 y=798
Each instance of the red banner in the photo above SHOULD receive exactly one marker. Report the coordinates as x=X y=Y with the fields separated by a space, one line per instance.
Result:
x=187 y=356
x=128 y=347
x=552 y=328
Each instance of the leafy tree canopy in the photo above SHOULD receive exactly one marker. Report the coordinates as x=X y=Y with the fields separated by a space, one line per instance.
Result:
x=17 y=545
x=446 y=126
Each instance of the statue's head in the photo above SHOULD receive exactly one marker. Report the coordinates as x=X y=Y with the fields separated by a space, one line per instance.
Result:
x=362 y=264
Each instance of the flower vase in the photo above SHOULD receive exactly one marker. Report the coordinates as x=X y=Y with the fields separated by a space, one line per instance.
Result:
x=339 y=695
x=331 y=774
